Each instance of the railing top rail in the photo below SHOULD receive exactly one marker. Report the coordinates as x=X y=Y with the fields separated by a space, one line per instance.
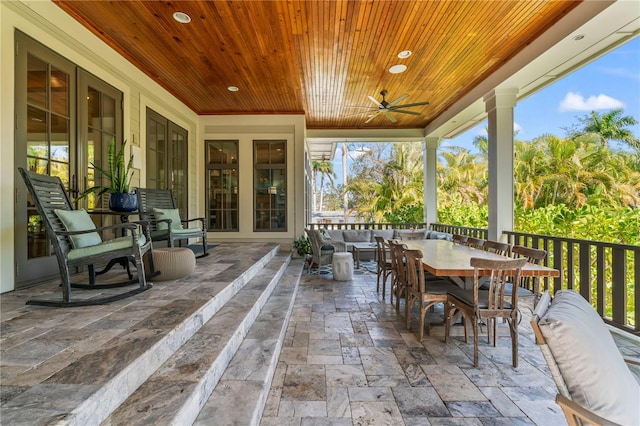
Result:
x=575 y=240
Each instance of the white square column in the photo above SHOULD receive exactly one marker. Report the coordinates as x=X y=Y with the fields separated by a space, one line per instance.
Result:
x=430 y=193
x=499 y=106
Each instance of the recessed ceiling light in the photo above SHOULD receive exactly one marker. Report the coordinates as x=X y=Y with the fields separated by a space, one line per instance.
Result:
x=404 y=54
x=579 y=37
x=397 y=69
x=182 y=17
x=232 y=89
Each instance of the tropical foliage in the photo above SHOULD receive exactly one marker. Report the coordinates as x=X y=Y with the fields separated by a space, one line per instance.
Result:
x=579 y=186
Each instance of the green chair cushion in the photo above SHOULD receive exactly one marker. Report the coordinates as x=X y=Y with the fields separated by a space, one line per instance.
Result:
x=172 y=214
x=162 y=234
x=105 y=247
x=79 y=220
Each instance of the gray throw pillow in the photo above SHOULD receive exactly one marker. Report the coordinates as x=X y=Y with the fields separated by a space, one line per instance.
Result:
x=589 y=360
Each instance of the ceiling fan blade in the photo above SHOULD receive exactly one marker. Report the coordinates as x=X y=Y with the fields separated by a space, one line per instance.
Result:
x=375 y=101
x=412 y=105
x=389 y=116
x=371 y=117
x=401 y=98
x=361 y=107
x=405 y=112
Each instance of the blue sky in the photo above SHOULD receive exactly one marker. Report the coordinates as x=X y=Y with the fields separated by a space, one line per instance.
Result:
x=612 y=81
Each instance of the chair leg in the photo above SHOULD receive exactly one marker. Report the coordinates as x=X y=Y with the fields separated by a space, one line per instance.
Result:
x=407 y=310
x=423 y=314
x=513 y=329
x=475 y=342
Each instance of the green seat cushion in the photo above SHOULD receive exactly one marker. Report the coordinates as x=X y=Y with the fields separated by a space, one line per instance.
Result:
x=172 y=214
x=79 y=220
x=105 y=247
x=162 y=234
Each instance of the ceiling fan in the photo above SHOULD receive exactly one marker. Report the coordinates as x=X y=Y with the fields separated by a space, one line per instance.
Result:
x=386 y=108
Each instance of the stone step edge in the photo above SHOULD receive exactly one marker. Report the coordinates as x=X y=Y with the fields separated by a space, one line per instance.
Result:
x=198 y=395
x=219 y=395
x=111 y=395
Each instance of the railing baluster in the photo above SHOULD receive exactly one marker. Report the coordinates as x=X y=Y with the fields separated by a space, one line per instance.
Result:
x=601 y=263
x=619 y=292
x=571 y=279
x=585 y=271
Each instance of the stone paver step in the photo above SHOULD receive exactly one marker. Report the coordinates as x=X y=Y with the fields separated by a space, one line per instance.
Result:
x=241 y=394
x=177 y=390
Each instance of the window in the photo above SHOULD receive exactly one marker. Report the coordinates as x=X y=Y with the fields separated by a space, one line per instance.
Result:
x=270 y=185
x=222 y=185
x=167 y=158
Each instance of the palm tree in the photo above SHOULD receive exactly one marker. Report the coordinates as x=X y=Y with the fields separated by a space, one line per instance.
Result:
x=325 y=168
x=609 y=126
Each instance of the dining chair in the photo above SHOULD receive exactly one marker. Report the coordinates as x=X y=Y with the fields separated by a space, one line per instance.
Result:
x=476 y=305
x=496 y=247
x=477 y=243
x=459 y=239
x=529 y=287
x=384 y=266
x=399 y=283
x=426 y=292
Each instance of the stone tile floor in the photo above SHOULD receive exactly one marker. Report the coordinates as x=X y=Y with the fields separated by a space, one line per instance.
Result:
x=348 y=359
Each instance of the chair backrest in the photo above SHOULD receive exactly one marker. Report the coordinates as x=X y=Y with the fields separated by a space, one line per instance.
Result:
x=532 y=255
x=381 y=250
x=496 y=247
x=500 y=273
x=400 y=262
x=315 y=241
x=584 y=360
x=148 y=199
x=459 y=239
x=415 y=272
x=393 y=257
x=473 y=242
x=48 y=194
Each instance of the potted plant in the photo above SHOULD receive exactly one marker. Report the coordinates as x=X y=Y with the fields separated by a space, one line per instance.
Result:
x=119 y=175
x=302 y=246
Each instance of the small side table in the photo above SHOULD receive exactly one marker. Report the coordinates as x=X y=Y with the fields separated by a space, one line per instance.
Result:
x=342 y=266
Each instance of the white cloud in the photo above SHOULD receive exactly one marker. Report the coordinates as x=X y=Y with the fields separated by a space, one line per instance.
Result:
x=517 y=128
x=577 y=102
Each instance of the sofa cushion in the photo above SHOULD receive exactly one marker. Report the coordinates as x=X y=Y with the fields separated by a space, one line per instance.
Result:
x=435 y=235
x=357 y=235
x=387 y=234
x=411 y=234
x=334 y=234
x=589 y=360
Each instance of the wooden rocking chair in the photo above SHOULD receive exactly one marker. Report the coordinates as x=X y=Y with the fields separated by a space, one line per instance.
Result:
x=77 y=243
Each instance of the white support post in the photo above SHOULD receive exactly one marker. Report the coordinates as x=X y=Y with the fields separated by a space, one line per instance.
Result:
x=430 y=195
x=499 y=106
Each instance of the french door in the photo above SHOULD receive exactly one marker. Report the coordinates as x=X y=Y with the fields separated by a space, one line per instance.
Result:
x=167 y=158
x=64 y=119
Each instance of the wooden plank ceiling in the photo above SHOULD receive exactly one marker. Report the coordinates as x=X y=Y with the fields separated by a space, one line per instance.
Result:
x=320 y=58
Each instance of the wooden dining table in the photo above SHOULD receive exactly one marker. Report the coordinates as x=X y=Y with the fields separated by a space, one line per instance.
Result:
x=445 y=259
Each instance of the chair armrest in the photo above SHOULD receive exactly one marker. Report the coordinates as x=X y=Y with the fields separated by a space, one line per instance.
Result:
x=195 y=219
x=577 y=414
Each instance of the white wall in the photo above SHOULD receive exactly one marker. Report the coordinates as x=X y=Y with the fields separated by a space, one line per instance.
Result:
x=246 y=129
x=48 y=24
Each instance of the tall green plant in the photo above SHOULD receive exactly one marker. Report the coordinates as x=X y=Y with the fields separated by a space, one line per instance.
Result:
x=118 y=172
